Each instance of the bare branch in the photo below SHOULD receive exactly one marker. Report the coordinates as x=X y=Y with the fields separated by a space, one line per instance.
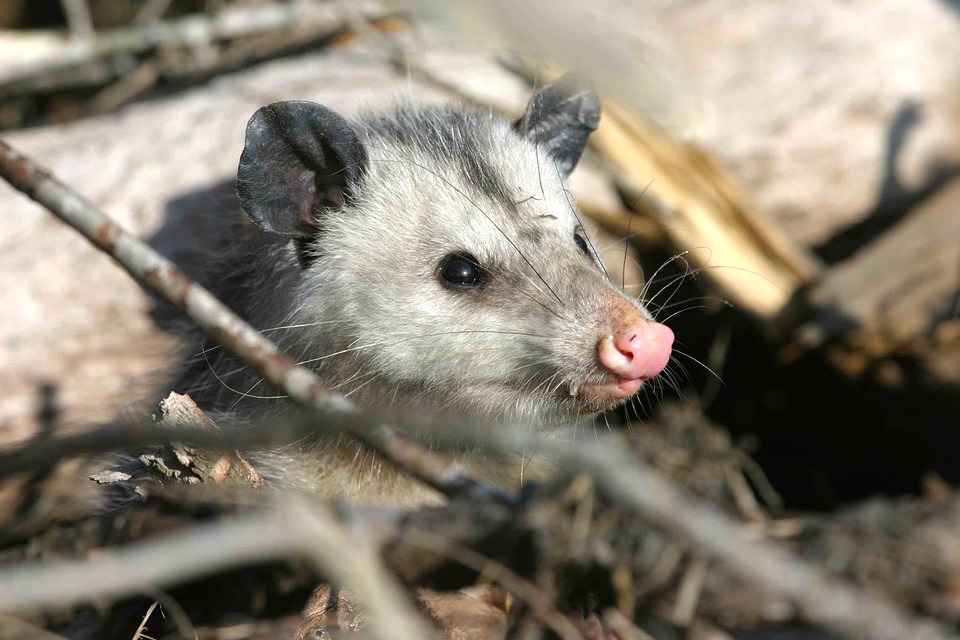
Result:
x=293 y=530
x=143 y=623
x=190 y=31
x=180 y=411
x=496 y=572
x=78 y=17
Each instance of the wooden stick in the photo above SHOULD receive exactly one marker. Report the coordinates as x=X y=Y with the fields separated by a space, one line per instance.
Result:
x=291 y=530
x=78 y=17
x=187 y=32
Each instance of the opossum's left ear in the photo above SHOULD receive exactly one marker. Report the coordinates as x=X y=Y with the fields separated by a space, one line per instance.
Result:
x=560 y=118
x=299 y=159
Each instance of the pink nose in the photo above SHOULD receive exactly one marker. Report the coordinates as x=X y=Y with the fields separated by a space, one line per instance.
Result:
x=639 y=352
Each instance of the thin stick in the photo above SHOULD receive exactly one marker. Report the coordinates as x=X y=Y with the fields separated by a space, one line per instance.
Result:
x=541 y=606
x=293 y=530
x=232 y=23
x=143 y=623
x=159 y=275
x=78 y=17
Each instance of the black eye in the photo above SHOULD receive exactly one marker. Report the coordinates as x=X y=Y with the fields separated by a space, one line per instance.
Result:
x=461 y=271
x=582 y=245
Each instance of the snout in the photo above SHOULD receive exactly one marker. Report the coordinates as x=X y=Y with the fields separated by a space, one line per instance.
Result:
x=634 y=353
x=638 y=352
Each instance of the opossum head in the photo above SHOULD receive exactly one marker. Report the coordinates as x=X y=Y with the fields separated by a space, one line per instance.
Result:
x=444 y=264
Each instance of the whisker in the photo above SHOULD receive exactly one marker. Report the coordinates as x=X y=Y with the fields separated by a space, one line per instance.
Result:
x=620 y=240
x=683 y=369
x=676 y=313
x=355 y=389
x=745 y=270
x=705 y=267
x=678 y=280
x=687 y=355
x=536 y=131
x=649 y=282
x=623 y=268
x=245 y=394
x=718 y=299
x=675 y=290
x=229 y=388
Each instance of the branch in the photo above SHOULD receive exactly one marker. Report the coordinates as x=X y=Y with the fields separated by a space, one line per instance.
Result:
x=345 y=557
x=188 y=32
x=78 y=18
x=160 y=276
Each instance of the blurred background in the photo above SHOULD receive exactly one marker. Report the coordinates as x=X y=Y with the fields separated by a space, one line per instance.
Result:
x=783 y=177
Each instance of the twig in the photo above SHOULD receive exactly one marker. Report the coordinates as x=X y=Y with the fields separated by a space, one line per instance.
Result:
x=540 y=605
x=143 y=623
x=145 y=565
x=159 y=275
x=688 y=595
x=293 y=530
x=170 y=607
x=191 y=31
x=78 y=17
x=152 y=11
x=127 y=88
x=180 y=411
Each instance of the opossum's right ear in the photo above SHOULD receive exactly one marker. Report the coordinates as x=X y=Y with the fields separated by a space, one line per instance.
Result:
x=298 y=159
x=559 y=119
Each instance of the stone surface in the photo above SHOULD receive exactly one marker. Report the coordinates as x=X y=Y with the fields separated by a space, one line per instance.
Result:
x=822 y=108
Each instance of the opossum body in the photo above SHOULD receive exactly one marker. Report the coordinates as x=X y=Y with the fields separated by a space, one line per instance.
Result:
x=428 y=259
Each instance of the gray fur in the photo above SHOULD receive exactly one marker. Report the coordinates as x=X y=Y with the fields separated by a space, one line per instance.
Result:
x=367 y=311
x=453 y=137
x=294 y=152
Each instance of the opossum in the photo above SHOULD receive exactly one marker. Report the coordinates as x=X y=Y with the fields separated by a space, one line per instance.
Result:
x=428 y=258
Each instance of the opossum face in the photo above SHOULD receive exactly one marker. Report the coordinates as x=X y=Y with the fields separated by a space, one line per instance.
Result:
x=445 y=265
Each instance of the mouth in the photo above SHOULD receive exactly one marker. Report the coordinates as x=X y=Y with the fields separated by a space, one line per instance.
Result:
x=606 y=391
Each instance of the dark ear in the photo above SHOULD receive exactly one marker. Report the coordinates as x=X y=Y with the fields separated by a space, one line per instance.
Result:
x=559 y=119
x=298 y=159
